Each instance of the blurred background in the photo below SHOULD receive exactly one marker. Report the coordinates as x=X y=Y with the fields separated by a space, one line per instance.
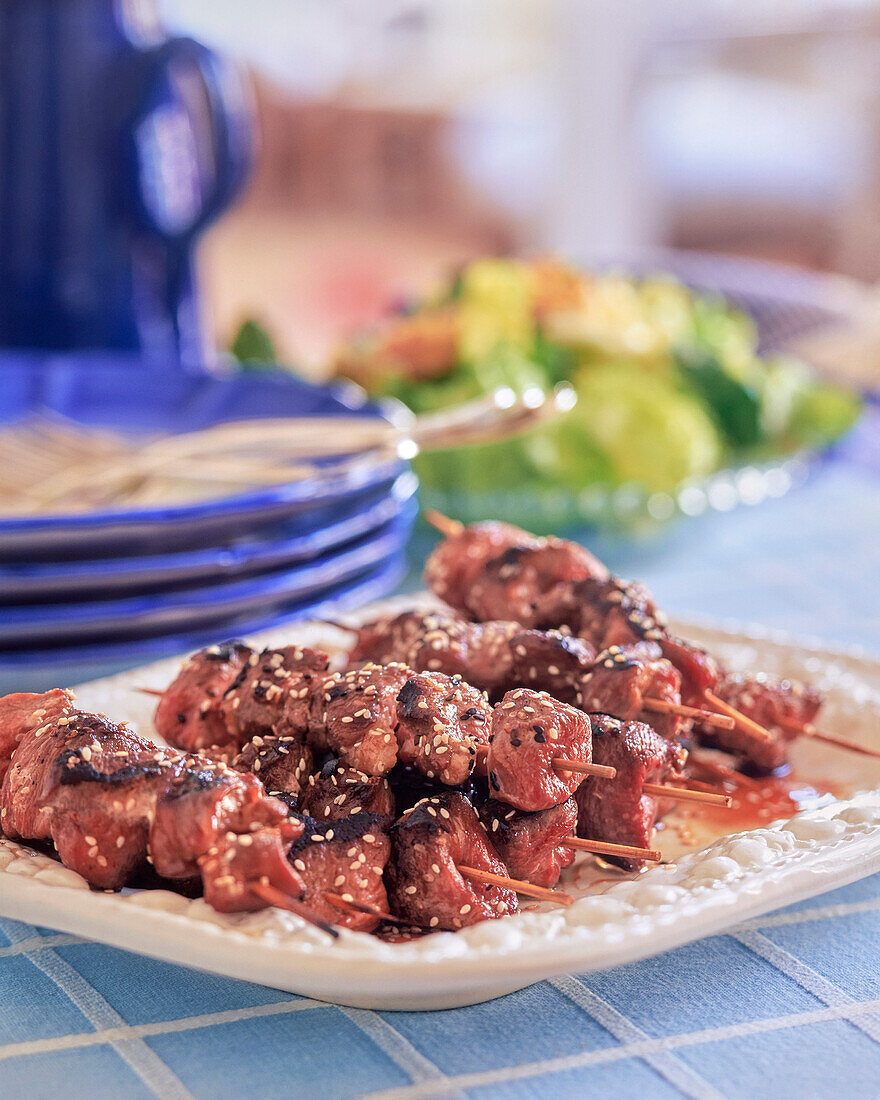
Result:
x=401 y=137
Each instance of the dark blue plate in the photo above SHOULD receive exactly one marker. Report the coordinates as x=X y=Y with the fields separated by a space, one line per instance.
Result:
x=203 y=607
x=125 y=395
x=279 y=548
x=37 y=669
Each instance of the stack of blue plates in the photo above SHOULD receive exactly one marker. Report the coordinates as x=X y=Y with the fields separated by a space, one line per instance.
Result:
x=86 y=595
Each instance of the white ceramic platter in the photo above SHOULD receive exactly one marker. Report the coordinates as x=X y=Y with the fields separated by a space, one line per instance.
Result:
x=616 y=919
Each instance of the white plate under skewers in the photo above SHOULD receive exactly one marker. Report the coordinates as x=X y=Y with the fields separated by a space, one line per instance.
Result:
x=715 y=882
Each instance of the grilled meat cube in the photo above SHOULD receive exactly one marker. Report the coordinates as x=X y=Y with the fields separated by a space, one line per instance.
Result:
x=477 y=652
x=388 y=639
x=454 y=565
x=442 y=721
x=551 y=661
x=782 y=707
x=238 y=860
x=200 y=805
x=429 y=842
x=623 y=677
x=529 y=729
x=281 y=763
x=531 y=584
x=189 y=713
x=355 y=715
x=90 y=787
x=619 y=812
x=337 y=791
x=346 y=857
x=531 y=844
x=272 y=694
x=699 y=670
x=24 y=712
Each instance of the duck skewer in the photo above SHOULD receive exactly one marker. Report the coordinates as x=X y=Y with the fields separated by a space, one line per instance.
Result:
x=741 y=721
x=273 y=896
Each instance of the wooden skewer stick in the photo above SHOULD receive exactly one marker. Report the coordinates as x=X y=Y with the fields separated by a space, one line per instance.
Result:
x=515 y=884
x=447 y=527
x=600 y=848
x=707 y=717
x=832 y=739
x=562 y=763
x=686 y=794
x=368 y=910
x=150 y=691
x=720 y=771
x=742 y=721
x=600 y=771
x=278 y=898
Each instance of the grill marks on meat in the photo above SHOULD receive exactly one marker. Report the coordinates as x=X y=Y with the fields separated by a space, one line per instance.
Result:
x=531 y=844
x=424 y=885
x=346 y=857
x=551 y=661
x=783 y=707
x=623 y=677
x=531 y=583
x=282 y=764
x=189 y=713
x=529 y=729
x=356 y=716
x=338 y=791
x=619 y=812
x=272 y=694
x=442 y=722
x=109 y=801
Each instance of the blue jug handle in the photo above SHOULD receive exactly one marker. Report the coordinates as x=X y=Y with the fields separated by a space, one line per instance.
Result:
x=189 y=163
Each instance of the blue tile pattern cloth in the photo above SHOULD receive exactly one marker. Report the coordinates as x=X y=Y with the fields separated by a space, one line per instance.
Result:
x=787 y=1005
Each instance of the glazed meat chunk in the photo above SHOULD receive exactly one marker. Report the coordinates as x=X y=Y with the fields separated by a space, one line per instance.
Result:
x=619 y=812
x=240 y=861
x=442 y=722
x=531 y=845
x=529 y=730
x=454 y=565
x=23 y=712
x=551 y=661
x=429 y=843
x=282 y=764
x=356 y=716
x=623 y=677
x=345 y=857
x=337 y=791
x=189 y=714
x=272 y=694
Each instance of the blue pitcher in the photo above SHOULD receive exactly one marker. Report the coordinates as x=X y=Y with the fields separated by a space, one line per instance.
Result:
x=117 y=146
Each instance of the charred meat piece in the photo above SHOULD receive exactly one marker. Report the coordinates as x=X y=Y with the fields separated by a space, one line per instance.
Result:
x=282 y=764
x=24 y=712
x=240 y=860
x=90 y=787
x=442 y=722
x=272 y=694
x=619 y=812
x=439 y=641
x=782 y=707
x=531 y=844
x=456 y=562
x=346 y=857
x=355 y=716
x=199 y=806
x=551 y=661
x=429 y=842
x=388 y=639
x=409 y=786
x=531 y=584
x=338 y=791
x=623 y=677
x=189 y=713
x=530 y=729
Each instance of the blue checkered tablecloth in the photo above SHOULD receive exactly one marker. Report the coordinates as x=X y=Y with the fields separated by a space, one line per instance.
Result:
x=787 y=1005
